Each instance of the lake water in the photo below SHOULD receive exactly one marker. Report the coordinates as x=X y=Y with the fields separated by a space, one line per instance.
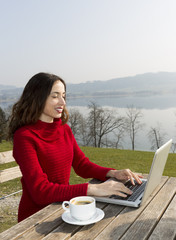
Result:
x=151 y=117
x=156 y=109
x=146 y=102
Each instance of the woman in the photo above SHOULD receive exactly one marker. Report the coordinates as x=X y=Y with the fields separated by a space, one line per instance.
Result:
x=45 y=149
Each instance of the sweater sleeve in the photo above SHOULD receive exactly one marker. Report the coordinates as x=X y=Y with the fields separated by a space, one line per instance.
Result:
x=85 y=168
x=41 y=190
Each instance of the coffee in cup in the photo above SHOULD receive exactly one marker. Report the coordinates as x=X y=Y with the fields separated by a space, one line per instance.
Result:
x=81 y=208
x=81 y=202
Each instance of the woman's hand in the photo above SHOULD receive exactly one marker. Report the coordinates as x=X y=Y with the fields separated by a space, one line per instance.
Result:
x=124 y=175
x=108 y=188
x=112 y=187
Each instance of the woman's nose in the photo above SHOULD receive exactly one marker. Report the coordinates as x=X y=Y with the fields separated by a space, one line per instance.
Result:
x=62 y=100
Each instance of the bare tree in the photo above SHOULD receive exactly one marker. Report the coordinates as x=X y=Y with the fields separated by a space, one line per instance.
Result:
x=84 y=136
x=133 y=123
x=78 y=124
x=119 y=134
x=93 y=121
x=173 y=148
x=74 y=121
x=114 y=140
x=101 y=122
x=156 y=136
x=8 y=111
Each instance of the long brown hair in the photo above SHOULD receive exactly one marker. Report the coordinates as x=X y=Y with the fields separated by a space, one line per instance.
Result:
x=32 y=102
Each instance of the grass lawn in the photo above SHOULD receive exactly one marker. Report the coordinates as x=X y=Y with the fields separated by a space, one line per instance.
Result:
x=5 y=146
x=137 y=161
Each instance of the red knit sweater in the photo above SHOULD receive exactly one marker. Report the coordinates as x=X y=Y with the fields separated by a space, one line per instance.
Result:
x=45 y=153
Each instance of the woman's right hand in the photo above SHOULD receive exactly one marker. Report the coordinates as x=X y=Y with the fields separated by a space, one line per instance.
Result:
x=108 y=188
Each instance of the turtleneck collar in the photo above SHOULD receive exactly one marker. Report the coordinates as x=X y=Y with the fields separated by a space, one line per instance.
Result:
x=47 y=131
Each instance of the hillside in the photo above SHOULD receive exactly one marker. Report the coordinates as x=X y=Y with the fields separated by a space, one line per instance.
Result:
x=148 y=84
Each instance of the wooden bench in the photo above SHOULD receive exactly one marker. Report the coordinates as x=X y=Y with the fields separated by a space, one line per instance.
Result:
x=6 y=157
x=9 y=173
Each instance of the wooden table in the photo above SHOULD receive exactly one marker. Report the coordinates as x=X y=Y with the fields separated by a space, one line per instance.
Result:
x=156 y=219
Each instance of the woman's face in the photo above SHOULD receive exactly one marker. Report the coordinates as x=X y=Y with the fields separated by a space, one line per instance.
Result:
x=54 y=103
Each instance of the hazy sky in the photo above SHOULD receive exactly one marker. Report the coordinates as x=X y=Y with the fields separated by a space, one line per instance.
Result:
x=86 y=40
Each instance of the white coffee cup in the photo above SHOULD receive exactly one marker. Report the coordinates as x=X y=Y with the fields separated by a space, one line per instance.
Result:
x=81 y=208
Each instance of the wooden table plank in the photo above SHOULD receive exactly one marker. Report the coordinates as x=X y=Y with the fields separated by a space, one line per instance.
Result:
x=64 y=231
x=156 y=219
x=44 y=227
x=126 y=218
x=29 y=223
x=144 y=225
x=166 y=228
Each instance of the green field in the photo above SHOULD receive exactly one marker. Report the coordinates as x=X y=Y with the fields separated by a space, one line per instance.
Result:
x=5 y=146
x=137 y=161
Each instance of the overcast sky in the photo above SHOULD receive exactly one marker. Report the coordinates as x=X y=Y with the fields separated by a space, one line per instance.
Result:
x=86 y=40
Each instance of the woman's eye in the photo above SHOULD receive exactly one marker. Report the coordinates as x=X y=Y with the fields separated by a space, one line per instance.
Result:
x=57 y=96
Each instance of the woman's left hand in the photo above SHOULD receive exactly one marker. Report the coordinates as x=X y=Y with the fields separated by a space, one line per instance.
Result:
x=124 y=175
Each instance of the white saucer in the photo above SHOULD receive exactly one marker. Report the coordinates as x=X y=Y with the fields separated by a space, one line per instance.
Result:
x=66 y=217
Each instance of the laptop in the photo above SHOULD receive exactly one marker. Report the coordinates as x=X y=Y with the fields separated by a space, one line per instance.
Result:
x=141 y=192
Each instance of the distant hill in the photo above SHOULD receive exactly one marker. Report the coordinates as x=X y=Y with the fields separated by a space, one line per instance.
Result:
x=143 y=84
x=9 y=95
x=162 y=82
x=5 y=87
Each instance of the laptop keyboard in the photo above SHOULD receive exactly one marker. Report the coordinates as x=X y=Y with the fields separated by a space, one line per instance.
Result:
x=137 y=190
